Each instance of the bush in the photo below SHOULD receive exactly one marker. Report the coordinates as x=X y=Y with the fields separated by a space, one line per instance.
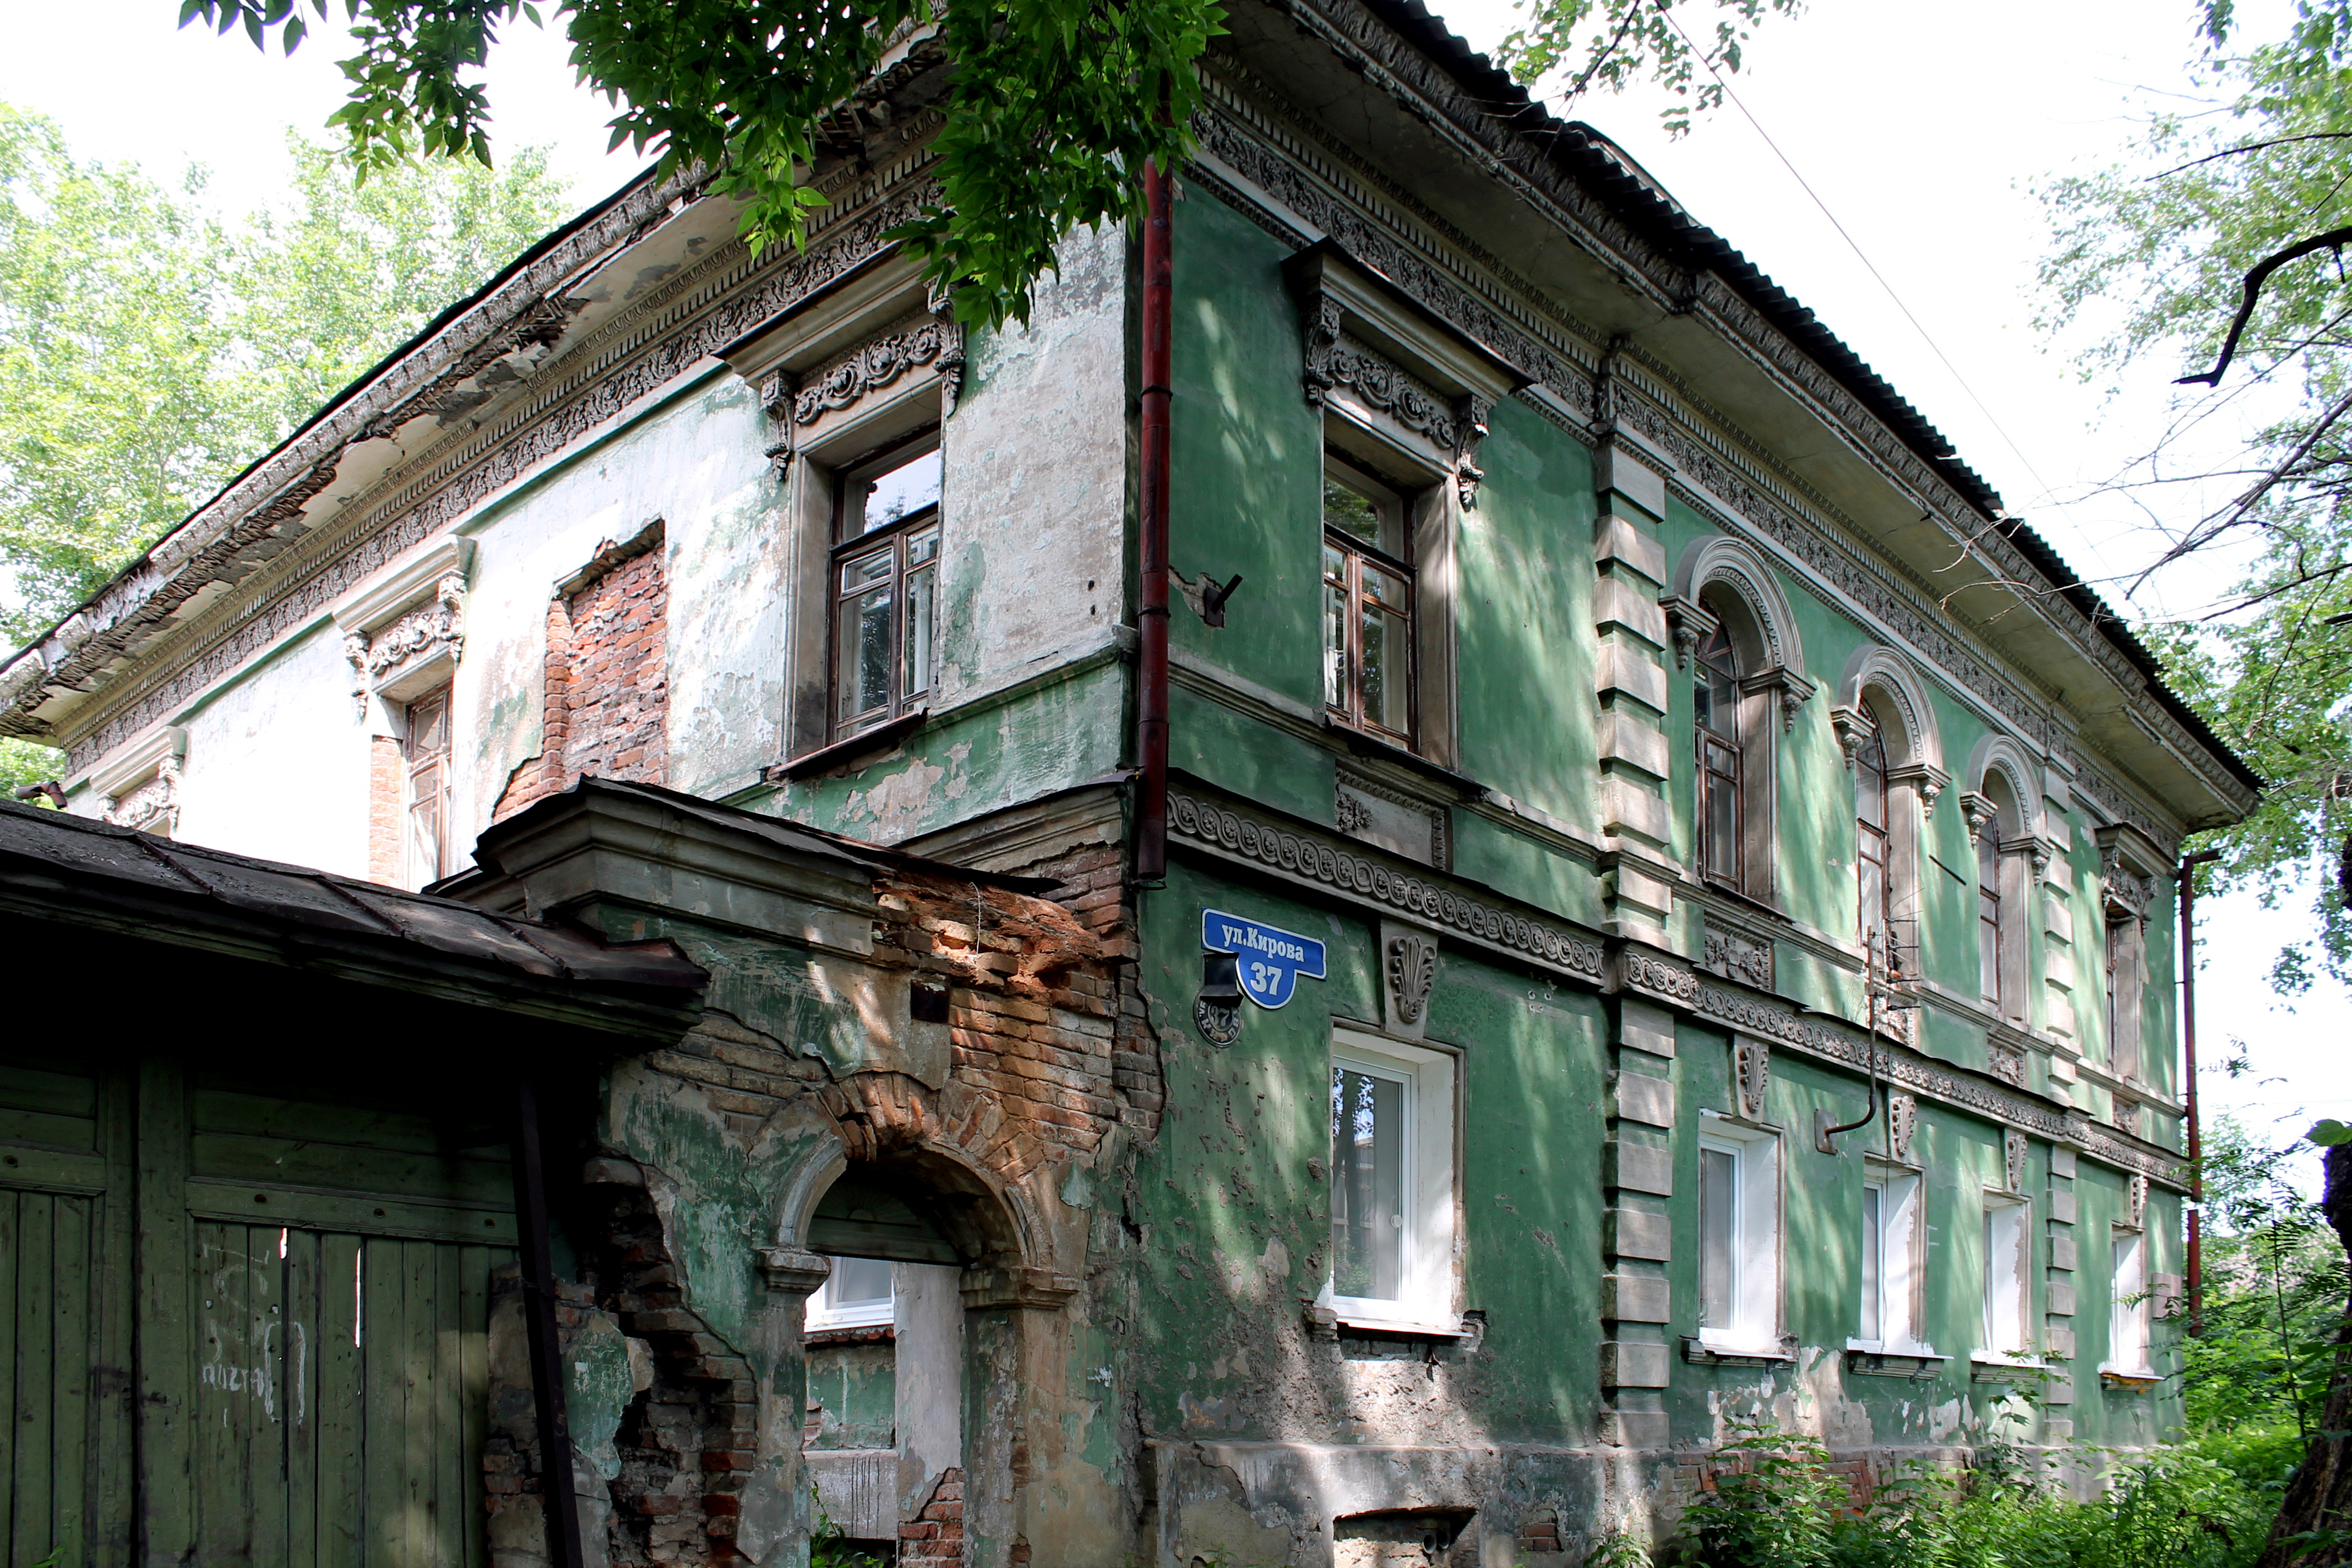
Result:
x=1780 y=1505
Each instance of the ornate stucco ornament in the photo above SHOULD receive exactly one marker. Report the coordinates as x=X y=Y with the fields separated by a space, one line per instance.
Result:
x=880 y=362
x=1751 y=1061
x=1413 y=969
x=1902 y=1121
x=2013 y=1150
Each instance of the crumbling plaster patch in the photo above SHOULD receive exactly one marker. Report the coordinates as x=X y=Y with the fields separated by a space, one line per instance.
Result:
x=693 y=461
x=1037 y=462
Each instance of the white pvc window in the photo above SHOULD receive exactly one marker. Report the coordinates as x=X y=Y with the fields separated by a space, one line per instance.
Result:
x=2008 y=1238
x=1888 y=1319
x=1740 y=1239
x=857 y=1296
x=2127 y=1345
x=1392 y=1202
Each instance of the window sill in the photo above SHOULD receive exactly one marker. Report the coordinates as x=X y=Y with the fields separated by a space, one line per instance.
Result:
x=850 y=1335
x=881 y=737
x=1325 y=1323
x=1369 y=745
x=1699 y=1353
x=1915 y=1365
x=2131 y=1380
x=1986 y=1366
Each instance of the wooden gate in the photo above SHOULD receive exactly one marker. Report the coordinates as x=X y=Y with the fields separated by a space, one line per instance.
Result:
x=242 y=1322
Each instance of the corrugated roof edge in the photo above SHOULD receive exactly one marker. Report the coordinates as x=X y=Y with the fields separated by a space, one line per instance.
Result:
x=1599 y=163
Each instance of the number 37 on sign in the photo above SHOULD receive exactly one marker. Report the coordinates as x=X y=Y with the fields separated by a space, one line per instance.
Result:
x=1270 y=959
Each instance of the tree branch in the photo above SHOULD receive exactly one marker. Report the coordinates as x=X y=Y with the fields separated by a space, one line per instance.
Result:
x=2253 y=147
x=2332 y=239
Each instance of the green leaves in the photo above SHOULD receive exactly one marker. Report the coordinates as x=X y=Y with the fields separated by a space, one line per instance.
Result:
x=1052 y=107
x=149 y=350
x=1616 y=43
x=2170 y=238
x=2328 y=1133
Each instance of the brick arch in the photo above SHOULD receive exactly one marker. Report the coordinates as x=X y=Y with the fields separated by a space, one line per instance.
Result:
x=957 y=1142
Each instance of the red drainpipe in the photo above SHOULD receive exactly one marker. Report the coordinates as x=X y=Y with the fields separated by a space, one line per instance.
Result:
x=1151 y=529
x=2185 y=872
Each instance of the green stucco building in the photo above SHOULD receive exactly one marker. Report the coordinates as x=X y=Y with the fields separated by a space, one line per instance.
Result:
x=1668 y=916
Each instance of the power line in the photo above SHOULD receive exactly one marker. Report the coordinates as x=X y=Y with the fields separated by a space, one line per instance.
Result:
x=2047 y=490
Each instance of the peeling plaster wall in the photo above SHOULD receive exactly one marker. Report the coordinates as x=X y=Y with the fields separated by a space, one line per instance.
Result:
x=278 y=761
x=695 y=463
x=1034 y=503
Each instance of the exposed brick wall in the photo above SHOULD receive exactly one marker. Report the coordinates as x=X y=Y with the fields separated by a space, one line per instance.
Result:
x=936 y=1533
x=606 y=695
x=1034 y=1011
x=386 y=786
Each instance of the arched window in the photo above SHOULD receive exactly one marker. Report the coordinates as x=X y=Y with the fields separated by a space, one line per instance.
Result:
x=1989 y=915
x=2002 y=888
x=1873 y=851
x=1716 y=701
x=1736 y=637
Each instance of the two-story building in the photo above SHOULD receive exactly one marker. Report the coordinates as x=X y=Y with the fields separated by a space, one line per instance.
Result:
x=1667 y=912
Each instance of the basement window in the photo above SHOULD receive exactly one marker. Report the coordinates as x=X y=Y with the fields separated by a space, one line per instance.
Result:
x=1392 y=1197
x=1739 y=1238
x=858 y=1295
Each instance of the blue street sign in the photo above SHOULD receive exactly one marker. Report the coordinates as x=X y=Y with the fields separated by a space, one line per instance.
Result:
x=1271 y=959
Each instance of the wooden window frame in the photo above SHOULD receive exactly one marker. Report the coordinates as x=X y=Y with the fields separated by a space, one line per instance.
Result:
x=894 y=537
x=414 y=766
x=1355 y=554
x=1713 y=780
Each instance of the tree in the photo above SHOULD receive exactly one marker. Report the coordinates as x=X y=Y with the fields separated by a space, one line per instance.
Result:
x=149 y=350
x=1051 y=110
x=2221 y=241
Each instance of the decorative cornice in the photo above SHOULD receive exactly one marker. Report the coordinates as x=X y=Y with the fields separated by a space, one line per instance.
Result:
x=1427 y=91
x=1348 y=869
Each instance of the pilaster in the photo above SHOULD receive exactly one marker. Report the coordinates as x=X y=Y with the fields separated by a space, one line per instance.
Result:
x=1628 y=562
x=1637 y=1175
x=2058 y=1297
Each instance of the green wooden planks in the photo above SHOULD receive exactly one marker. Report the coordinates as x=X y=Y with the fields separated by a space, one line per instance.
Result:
x=342 y=1399
x=46 y=1366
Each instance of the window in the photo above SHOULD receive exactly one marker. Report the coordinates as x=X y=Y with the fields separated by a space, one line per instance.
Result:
x=424 y=753
x=1988 y=943
x=2125 y=956
x=2006 y=1243
x=1875 y=854
x=1889 y=1317
x=1368 y=602
x=1739 y=1250
x=886 y=571
x=1392 y=1223
x=858 y=1295
x=2127 y=1343
x=1716 y=700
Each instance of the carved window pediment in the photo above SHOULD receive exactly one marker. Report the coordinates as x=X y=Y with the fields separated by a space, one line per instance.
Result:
x=1377 y=357
x=404 y=631
x=879 y=335
x=140 y=784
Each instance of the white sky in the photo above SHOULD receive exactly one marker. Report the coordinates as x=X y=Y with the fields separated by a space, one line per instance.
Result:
x=1921 y=128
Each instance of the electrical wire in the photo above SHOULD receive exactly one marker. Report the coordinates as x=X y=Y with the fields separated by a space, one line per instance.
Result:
x=2047 y=489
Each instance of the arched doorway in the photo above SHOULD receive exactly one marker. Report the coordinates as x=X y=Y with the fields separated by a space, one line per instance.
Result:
x=883 y=1338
